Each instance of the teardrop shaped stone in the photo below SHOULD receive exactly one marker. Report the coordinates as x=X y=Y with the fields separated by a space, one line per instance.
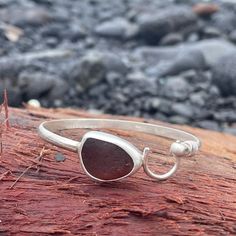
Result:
x=104 y=160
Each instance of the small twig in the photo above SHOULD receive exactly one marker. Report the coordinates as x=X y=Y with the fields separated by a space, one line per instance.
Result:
x=72 y=178
x=29 y=167
x=6 y=121
x=1 y=132
x=39 y=158
x=4 y=174
x=40 y=161
x=5 y=103
x=1 y=147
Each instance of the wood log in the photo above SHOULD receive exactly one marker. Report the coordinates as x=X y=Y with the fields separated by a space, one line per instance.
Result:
x=42 y=195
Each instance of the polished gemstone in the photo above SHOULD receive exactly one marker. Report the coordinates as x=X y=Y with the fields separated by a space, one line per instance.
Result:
x=104 y=160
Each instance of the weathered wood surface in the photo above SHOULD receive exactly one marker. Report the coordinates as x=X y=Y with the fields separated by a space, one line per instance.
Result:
x=58 y=198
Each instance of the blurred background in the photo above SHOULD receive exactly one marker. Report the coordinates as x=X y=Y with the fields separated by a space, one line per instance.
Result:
x=172 y=60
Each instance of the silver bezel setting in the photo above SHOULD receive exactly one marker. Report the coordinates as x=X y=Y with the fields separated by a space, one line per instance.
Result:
x=132 y=151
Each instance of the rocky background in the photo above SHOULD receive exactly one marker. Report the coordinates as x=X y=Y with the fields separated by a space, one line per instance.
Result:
x=173 y=60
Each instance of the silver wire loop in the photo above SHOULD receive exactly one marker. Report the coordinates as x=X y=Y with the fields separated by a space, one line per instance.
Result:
x=151 y=174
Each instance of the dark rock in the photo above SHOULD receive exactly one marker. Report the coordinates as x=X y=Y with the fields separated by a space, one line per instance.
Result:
x=202 y=86
x=137 y=76
x=113 y=78
x=152 y=27
x=159 y=116
x=211 y=50
x=201 y=113
x=94 y=67
x=151 y=105
x=36 y=84
x=10 y=68
x=30 y=16
x=155 y=55
x=88 y=71
x=155 y=103
x=52 y=42
x=232 y=36
x=143 y=88
x=214 y=92
x=5 y=3
x=183 y=109
x=208 y=124
x=198 y=99
x=114 y=63
x=211 y=32
x=119 y=97
x=224 y=20
x=118 y=28
x=190 y=75
x=165 y=106
x=193 y=37
x=61 y=15
x=171 y=39
x=98 y=91
x=226 y=102
x=90 y=42
x=224 y=74
x=53 y=30
x=57 y=102
x=59 y=89
x=178 y=120
x=225 y=115
x=183 y=62
x=176 y=88
x=76 y=32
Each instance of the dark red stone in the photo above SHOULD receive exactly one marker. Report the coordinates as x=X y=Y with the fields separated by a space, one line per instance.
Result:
x=104 y=160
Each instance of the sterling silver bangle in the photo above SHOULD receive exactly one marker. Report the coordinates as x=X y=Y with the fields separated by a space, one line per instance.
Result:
x=105 y=157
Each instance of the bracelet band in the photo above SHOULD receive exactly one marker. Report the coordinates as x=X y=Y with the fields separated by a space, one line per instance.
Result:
x=185 y=144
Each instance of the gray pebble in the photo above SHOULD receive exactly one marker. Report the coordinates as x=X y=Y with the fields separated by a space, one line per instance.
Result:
x=118 y=28
x=152 y=27
x=208 y=124
x=88 y=71
x=225 y=116
x=224 y=74
x=176 y=88
x=198 y=98
x=34 y=16
x=34 y=84
x=171 y=39
x=211 y=32
x=59 y=157
x=183 y=109
x=178 y=120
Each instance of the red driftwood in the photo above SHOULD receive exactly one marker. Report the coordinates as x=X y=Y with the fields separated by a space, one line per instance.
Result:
x=42 y=196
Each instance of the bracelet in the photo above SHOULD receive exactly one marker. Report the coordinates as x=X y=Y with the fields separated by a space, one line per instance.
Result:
x=106 y=157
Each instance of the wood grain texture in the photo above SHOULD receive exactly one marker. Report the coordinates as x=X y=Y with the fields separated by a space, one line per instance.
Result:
x=57 y=198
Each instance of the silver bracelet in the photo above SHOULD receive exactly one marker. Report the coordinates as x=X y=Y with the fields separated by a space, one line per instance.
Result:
x=106 y=157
